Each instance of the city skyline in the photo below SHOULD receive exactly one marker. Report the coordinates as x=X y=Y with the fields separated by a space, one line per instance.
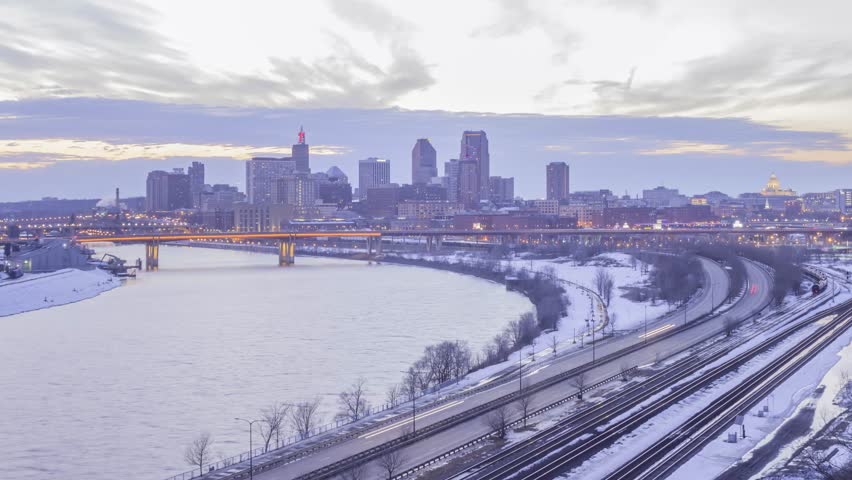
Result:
x=595 y=147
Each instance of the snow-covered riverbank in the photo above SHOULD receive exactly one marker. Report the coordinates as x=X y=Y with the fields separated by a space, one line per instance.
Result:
x=45 y=290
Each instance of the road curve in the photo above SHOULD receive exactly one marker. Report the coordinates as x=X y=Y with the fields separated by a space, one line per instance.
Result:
x=756 y=298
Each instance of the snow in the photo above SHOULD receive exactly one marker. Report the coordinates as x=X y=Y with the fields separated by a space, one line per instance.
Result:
x=628 y=314
x=45 y=290
x=719 y=455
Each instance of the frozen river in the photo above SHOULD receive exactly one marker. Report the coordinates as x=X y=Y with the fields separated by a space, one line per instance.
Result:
x=116 y=386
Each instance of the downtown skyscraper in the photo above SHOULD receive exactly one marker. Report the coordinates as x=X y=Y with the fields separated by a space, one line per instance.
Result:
x=558 y=181
x=474 y=148
x=300 y=153
x=372 y=172
x=424 y=162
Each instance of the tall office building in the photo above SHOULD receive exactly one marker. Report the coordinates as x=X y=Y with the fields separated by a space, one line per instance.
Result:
x=451 y=173
x=299 y=190
x=557 y=181
x=469 y=193
x=372 y=172
x=474 y=147
x=301 y=154
x=423 y=162
x=167 y=191
x=262 y=173
x=196 y=182
x=502 y=189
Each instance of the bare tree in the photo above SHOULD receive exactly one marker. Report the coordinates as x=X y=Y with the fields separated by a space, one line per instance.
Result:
x=394 y=394
x=305 y=417
x=579 y=382
x=524 y=404
x=353 y=402
x=820 y=463
x=358 y=472
x=391 y=461
x=271 y=422
x=513 y=332
x=200 y=451
x=604 y=284
x=498 y=420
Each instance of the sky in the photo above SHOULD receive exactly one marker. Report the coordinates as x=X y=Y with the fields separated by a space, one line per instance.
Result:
x=631 y=94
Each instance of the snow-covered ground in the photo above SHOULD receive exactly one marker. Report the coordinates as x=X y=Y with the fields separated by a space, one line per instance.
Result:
x=45 y=290
x=627 y=314
x=717 y=456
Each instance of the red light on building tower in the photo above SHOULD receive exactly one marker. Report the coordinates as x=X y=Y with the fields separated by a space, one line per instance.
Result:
x=301 y=135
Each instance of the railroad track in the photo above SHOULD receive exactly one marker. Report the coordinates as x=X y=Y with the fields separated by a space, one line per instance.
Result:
x=665 y=456
x=507 y=461
x=552 y=466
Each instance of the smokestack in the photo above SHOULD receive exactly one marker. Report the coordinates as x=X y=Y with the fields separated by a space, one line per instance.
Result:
x=117 y=205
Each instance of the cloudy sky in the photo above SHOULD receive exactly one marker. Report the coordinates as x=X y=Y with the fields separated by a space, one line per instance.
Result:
x=631 y=93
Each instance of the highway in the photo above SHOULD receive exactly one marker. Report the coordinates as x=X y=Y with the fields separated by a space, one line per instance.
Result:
x=665 y=337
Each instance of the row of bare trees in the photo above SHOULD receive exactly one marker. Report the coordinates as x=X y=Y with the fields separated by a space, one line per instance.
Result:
x=302 y=417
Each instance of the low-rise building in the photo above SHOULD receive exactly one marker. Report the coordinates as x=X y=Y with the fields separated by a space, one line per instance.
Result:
x=427 y=209
x=261 y=217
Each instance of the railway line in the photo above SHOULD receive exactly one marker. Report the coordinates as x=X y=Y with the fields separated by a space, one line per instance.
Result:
x=663 y=457
x=509 y=461
x=542 y=463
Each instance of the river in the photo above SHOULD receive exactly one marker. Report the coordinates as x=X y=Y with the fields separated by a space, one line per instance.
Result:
x=116 y=386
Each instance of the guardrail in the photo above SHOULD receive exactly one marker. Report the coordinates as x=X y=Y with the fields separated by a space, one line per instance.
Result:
x=482 y=438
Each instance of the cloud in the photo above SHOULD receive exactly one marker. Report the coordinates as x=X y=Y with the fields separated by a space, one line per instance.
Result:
x=99 y=48
x=681 y=148
x=753 y=77
x=516 y=17
x=46 y=152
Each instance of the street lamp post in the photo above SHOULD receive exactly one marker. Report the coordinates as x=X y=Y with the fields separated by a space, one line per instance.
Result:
x=711 y=298
x=251 y=446
x=593 y=342
x=412 y=392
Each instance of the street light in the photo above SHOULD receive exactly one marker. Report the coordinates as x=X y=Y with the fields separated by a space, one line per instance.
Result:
x=251 y=447
x=412 y=391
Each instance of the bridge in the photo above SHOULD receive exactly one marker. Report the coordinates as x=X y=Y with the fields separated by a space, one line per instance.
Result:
x=434 y=238
x=286 y=241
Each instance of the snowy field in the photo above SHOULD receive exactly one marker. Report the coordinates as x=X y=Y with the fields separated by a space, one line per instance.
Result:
x=45 y=290
x=628 y=314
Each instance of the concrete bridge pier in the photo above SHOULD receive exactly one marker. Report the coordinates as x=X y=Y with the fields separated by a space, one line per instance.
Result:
x=286 y=252
x=152 y=255
x=374 y=246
